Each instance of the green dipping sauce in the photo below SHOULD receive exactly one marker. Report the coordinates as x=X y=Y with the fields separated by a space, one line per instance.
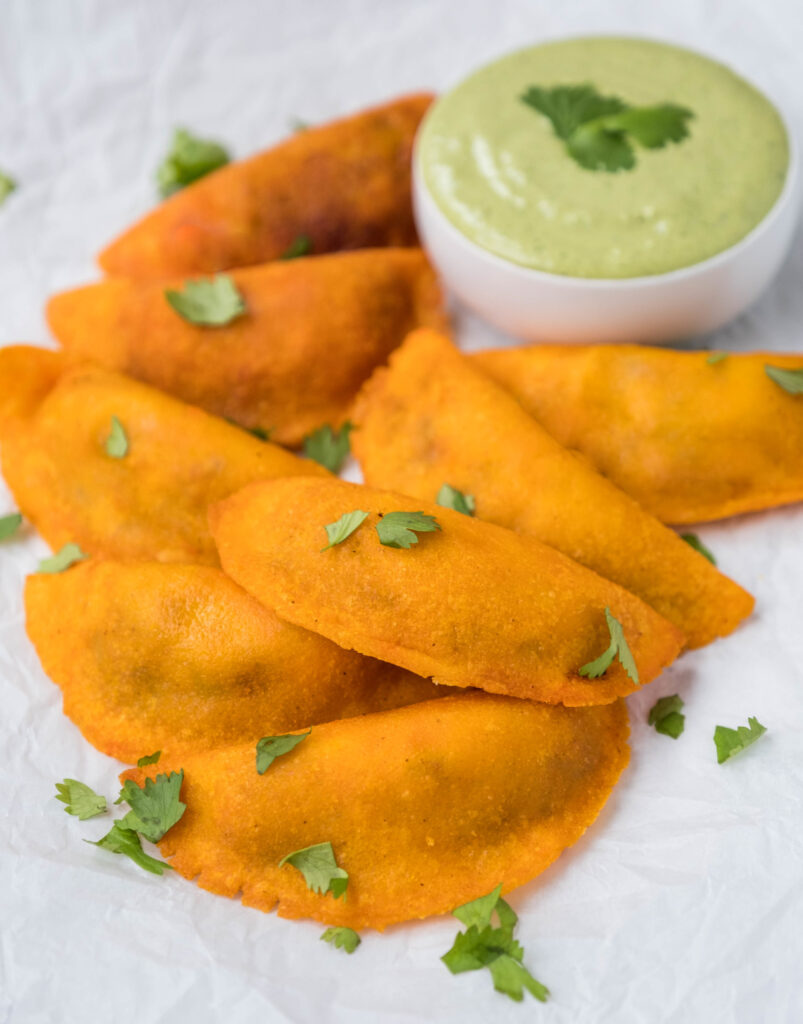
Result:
x=500 y=174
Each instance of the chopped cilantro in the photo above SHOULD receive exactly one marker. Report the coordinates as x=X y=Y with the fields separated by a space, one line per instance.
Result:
x=694 y=542
x=9 y=525
x=149 y=759
x=617 y=648
x=716 y=357
x=208 y=303
x=344 y=527
x=81 y=801
x=450 y=497
x=7 y=186
x=732 y=741
x=790 y=380
x=400 y=529
x=63 y=559
x=189 y=159
x=122 y=839
x=327 y=447
x=666 y=716
x=598 y=130
x=318 y=866
x=342 y=938
x=271 y=747
x=117 y=441
x=483 y=945
x=301 y=246
x=156 y=808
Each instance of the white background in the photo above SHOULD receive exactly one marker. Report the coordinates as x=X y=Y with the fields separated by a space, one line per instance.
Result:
x=684 y=902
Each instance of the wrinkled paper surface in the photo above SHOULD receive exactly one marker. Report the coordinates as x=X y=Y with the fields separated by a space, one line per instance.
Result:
x=683 y=903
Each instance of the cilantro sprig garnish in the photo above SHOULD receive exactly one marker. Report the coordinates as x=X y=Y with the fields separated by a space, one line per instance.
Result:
x=63 y=559
x=117 y=441
x=616 y=649
x=342 y=938
x=341 y=530
x=154 y=808
x=450 y=497
x=208 y=303
x=790 y=380
x=271 y=747
x=329 y=447
x=301 y=246
x=121 y=839
x=599 y=131
x=732 y=741
x=401 y=529
x=9 y=525
x=694 y=542
x=189 y=159
x=153 y=758
x=318 y=866
x=483 y=945
x=81 y=800
x=666 y=716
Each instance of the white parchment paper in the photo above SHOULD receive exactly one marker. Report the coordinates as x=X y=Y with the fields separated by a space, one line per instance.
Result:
x=683 y=903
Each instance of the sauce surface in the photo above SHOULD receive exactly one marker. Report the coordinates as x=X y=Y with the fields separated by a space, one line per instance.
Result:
x=499 y=173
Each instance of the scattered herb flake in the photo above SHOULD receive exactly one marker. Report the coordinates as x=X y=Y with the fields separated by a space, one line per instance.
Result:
x=344 y=527
x=618 y=648
x=271 y=747
x=156 y=808
x=7 y=186
x=149 y=759
x=717 y=357
x=694 y=541
x=117 y=441
x=318 y=866
x=213 y=302
x=9 y=525
x=342 y=938
x=81 y=801
x=63 y=559
x=329 y=447
x=666 y=716
x=298 y=125
x=400 y=529
x=122 y=839
x=790 y=380
x=450 y=497
x=189 y=159
x=301 y=246
x=731 y=741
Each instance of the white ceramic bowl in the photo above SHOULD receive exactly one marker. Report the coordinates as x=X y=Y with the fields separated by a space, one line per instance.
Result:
x=538 y=306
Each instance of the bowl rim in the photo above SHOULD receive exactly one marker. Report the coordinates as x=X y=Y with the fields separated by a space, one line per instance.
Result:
x=787 y=195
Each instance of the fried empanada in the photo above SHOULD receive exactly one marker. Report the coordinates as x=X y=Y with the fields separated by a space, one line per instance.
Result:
x=471 y=604
x=426 y=807
x=178 y=658
x=344 y=185
x=313 y=330
x=434 y=418
x=152 y=502
x=692 y=436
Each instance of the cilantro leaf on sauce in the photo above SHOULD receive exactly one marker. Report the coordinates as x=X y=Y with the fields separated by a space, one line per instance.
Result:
x=694 y=542
x=450 y=497
x=400 y=529
x=81 y=800
x=214 y=302
x=328 y=447
x=617 y=648
x=271 y=747
x=318 y=866
x=733 y=741
x=790 y=380
x=156 y=808
x=189 y=159
x=344 y=527
x=483 y=945
x=9 y=525
x=300 y=246
x=122 y=839
x=666 y=716
x=569 y=106
x=63 y=559
x=117 y=441
x=342 y=938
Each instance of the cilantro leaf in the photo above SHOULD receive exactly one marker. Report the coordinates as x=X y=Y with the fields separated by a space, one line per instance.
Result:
x=717 y=357
x=790 y=380
x=342 y=938
x=301 y=246
x=189 y=159
x=271 y=747
x=732 y=741
x=9 y=525
x=569 y=106
x=483 y=945
x=651 y=127
x=328 y=447
x=597 y=148
x=81 y=801
x=117 y=441
x=617 y=648
x=156 y=808
x=208 y=303
x=122 y=839
x=694 y=542
x=450 y=497
x=149 y=759
x=7 y=186
x=666 y=716
x=318 y=866
x=344 y=527
x=63 y=559
x=399 y=529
